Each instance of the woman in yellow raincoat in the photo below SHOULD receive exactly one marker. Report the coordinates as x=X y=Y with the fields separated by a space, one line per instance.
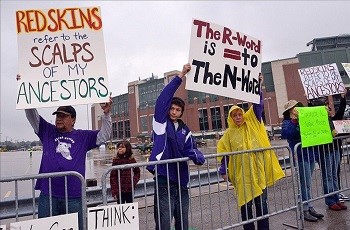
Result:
x=249 y=173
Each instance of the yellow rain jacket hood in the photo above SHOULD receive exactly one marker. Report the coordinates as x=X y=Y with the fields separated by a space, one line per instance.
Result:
x=249 y=173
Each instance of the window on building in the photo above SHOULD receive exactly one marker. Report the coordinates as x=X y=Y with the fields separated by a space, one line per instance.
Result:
x=226 y=109
x=150 y=119
x=120 y=130
x=127 y=128
x=215 y=118
x=114 y=130
x=244 y=106
x=143 y=124
x=203 y=119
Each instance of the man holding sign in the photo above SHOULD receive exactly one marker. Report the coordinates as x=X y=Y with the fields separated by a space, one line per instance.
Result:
x=64 y=149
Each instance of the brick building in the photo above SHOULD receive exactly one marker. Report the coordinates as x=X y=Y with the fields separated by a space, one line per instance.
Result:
x=206 y=114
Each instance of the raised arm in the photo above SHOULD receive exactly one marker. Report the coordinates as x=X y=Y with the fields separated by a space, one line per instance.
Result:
x=342 y=106
x=258 y=108
x=33 y=118
x=106 y=128
x=163 y=102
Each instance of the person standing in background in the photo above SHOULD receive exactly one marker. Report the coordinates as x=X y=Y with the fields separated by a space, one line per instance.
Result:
x=305 y=157
x=123 y=181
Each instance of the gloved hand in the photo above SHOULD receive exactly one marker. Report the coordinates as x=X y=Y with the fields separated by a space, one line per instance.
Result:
x=196 y=156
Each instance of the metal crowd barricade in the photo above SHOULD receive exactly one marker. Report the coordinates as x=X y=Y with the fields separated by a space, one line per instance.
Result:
x=17 y=212
x=322 y=180
x=212 y=203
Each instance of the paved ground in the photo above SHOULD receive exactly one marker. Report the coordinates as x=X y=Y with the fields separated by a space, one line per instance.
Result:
x=219 y=209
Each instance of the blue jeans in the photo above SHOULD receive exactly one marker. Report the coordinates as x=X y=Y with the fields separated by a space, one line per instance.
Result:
x=329 y=166
x=305 y=173
x=260 y=209
x=179 y=201
x=59 y=207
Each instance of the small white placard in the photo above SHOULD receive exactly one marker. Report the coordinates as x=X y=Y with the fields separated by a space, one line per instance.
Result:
x=122 y=216
x=68 y=221
x=342 y=126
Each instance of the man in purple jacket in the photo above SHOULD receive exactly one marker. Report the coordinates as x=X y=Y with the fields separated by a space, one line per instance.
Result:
x=172 y=139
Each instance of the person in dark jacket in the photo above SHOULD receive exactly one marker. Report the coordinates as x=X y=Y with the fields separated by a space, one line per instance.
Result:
x=329 y=155
x=123 y=181
x=304 y=156
x=172 y=139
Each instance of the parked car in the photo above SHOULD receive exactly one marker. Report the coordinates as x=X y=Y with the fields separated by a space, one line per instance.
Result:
x=201 y=143
x=145 y=147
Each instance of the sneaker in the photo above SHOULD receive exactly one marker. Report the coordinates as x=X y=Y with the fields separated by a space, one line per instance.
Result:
x=313 y=212
x=342 y=206
x=335 y=207
x=309 y=217
x=343 y=197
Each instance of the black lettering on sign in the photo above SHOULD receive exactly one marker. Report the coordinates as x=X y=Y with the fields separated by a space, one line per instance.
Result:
x=48 y=91
x=202 y=69
x=112 y=216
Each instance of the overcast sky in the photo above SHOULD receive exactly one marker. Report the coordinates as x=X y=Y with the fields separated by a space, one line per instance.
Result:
x=142 y=38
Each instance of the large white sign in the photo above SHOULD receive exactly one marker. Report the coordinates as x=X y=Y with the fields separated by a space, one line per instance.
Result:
x=61 y=57
x=319 y=81
x=122 y=216
x=2 y=227
x=224 y=62
x=347 y=68
x=68 y=221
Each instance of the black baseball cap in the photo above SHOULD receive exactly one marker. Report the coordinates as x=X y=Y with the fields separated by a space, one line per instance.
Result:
x=68 y=110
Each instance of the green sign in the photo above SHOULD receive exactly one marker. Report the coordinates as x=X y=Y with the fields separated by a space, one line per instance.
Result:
x=314 y=126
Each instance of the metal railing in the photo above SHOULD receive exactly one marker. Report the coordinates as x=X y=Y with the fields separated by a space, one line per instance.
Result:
x=17 y=211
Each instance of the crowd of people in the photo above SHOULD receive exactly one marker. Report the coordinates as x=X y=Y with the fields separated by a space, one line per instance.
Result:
x=65 y=148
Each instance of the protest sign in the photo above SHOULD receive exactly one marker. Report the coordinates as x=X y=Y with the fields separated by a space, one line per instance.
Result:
x=342 y=126
x=67 y=221
x=224 y=62
x=319 y=81
x=122 y=216
x=61 y=57
x=346 y=68
x=2 y=227
x=314 y=126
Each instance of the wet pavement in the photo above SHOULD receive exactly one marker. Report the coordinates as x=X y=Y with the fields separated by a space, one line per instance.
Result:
x=20 y=163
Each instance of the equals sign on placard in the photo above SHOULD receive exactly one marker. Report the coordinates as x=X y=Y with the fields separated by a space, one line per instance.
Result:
x=232 y=54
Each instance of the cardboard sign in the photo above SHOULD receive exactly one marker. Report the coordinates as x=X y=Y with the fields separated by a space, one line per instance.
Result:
x=346 y=68
x=319 y=81
x=224 y=62
x=68 y=221
x=342 y=126
x=61 y=57
x=122 y=216
x=314 y=126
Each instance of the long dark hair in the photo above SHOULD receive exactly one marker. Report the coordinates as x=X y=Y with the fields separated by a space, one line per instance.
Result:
x=128 y=152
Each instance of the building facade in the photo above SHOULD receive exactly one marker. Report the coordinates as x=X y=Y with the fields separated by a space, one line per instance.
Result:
x=206 y=114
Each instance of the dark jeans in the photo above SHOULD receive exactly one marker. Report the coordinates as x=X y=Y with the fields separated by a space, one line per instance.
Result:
x=59 y=207
x=329 y=163
x=260 y=209
x=306 y=170
x=338 y=172
x=179 y=201
x=126 y=197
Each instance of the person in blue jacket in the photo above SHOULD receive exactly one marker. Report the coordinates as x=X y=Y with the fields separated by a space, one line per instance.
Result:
x=306 y=157
x=172 y=139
